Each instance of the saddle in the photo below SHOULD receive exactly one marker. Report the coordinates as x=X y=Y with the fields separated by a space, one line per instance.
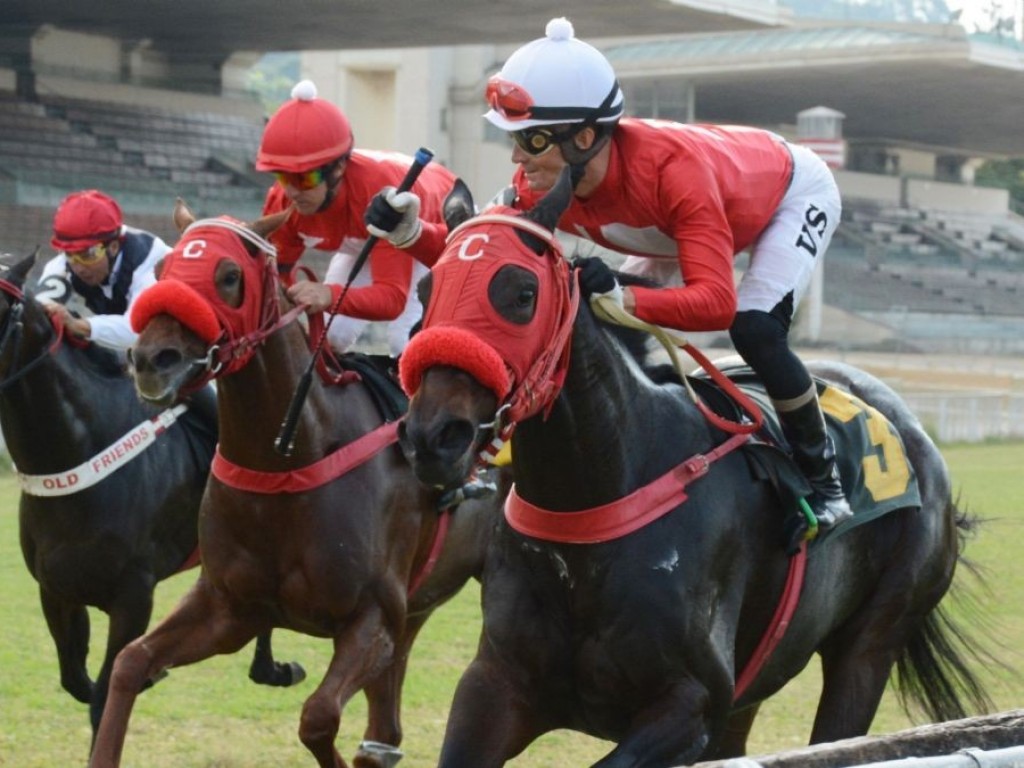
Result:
x=874 y=471
x=380 y=375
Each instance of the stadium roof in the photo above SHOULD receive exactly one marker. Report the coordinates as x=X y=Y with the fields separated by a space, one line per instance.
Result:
x=931 y=85
x=211 y=30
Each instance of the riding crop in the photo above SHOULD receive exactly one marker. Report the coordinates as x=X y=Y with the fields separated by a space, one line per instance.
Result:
x=285 y=442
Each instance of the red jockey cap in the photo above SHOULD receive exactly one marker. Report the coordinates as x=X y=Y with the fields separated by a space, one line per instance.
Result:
x=84 y=219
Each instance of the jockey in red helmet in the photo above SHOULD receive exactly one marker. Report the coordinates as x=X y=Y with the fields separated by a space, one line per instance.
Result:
x=681 y=201
x=101 y=267
x=308 y=145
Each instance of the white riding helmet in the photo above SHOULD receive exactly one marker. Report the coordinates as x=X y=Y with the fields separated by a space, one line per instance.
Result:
x=554 y=79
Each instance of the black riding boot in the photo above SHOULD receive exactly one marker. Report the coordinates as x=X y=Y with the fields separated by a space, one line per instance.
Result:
x=815 y=455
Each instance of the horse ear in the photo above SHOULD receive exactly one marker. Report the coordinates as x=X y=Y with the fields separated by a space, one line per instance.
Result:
x=268 y=224
x=458 y=206
x=183 y=215
x=18 y=272
x=549 y=209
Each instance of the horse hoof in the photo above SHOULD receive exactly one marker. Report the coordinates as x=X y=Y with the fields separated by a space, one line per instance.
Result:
x=280 y=675
x=374 y=754
x=296 y=673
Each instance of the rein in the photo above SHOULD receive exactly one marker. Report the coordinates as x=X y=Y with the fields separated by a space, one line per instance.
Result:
x=607 y=309
x=12 y=330
x=232 y=353
x=648 y=503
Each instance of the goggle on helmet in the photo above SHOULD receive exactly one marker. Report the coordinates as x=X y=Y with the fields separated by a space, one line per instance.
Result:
x=554 y=79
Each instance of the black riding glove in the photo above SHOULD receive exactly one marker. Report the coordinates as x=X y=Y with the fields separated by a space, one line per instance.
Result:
x=597 y=279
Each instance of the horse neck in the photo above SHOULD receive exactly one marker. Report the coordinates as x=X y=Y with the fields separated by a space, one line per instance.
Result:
x=610 y=430
x=252 y=403
x=58 y=414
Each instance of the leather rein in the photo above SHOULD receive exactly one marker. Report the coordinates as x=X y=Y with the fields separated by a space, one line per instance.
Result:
x=12 y=330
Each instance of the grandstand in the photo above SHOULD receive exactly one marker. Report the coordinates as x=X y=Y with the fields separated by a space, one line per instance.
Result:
x=143 y=156
x=924 y=258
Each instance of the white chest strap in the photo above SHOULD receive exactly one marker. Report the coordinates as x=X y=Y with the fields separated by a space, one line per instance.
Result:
x=104 y=463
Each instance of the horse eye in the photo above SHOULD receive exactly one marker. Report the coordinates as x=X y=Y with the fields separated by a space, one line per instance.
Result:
x=526 y=297
x=231 y=279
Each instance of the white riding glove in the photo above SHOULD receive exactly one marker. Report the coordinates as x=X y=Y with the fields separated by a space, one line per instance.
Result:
x=395 y=217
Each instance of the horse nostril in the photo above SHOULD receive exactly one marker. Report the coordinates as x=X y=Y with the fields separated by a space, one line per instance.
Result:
x=166 y=359
x=456 y=437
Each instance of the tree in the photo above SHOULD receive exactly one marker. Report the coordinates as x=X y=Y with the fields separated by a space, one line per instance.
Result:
x=1004 y=174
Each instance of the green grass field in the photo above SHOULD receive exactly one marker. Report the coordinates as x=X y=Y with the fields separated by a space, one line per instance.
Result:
x=210 y=715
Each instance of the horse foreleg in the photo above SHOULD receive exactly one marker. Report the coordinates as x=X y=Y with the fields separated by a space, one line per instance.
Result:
x=129 y=613
x=674 y=729
x=199 y=627
x=733 y=741
x=69 y=628
x=383 y=733
x=265 y=671
x=361 y=652
x=492 y=719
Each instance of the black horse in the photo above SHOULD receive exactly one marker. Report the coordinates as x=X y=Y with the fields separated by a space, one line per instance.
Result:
x=639 y=636
x=70 y=416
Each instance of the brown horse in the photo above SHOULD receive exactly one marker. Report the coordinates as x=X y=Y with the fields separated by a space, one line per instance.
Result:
x=629 y=591
x=287 y=542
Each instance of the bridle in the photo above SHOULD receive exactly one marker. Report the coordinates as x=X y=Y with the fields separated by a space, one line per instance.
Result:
x=11 y=335
x=231 y=350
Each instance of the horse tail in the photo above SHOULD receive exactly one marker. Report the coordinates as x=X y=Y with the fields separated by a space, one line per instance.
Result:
x=935 y=668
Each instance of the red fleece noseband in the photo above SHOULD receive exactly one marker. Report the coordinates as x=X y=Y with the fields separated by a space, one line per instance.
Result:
x=459 y=348
x=182 y=302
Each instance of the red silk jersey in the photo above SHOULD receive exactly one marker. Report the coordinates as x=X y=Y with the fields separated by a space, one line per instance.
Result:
x=340 y=228
x=699 y=194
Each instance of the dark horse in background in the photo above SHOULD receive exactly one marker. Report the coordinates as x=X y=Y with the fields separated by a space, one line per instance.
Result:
x=640 y=638
x=340 y=556
x=63 y=404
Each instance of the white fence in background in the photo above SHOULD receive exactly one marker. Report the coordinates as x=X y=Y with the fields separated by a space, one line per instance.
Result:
x=968 y=417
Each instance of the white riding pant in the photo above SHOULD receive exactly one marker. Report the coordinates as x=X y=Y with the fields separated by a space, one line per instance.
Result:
x=783 y=258
x=345 y=331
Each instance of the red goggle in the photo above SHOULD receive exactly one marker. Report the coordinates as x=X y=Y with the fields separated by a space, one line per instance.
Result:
x=511 y=101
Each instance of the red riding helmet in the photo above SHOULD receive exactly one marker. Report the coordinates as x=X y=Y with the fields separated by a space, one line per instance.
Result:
x=305 y=133
x=84 y=219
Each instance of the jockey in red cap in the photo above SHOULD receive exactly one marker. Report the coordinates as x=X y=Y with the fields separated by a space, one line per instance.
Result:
x=328 y=184
x=101 y=267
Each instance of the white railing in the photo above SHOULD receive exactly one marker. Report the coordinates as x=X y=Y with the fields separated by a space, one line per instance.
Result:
x=968 y=417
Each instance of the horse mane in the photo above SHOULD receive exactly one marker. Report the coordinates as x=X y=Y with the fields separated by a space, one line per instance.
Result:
x=636 y=342
x=102 y=361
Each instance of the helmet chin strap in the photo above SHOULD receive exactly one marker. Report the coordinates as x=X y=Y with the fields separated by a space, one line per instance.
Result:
x=578 y=158
x=332 y=186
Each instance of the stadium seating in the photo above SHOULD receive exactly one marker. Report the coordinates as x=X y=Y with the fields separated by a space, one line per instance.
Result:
x=144 y=157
